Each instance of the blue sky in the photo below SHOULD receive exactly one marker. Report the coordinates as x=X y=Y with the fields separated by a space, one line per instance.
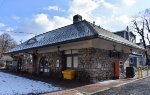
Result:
x=33 y=17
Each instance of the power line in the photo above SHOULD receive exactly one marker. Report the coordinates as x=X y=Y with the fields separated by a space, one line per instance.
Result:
x=20 y=32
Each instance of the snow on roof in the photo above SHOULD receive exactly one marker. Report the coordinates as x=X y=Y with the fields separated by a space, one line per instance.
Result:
x=75 y=32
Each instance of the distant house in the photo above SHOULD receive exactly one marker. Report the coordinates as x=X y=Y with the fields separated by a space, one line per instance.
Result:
x=127 y=35
x=5 y=61
x=136 y=58
x=95 y=53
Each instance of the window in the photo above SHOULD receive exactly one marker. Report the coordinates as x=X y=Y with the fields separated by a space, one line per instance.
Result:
x=72 y=61
x=69 y=62
x=57 y=63
x=71 y=51
x=75 y=61
x=38 y=38
x=68 y=52
x=31 y=41
x=72 y=58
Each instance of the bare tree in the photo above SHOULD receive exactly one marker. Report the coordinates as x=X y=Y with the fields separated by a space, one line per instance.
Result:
x=146 y=17
x=6 y=43
x=141 y=25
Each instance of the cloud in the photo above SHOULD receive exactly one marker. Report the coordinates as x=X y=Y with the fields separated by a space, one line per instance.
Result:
x=39 y=23
x=91 y=10
x=5 y=28
x=109 y=6
x=83 y=7
x=2 y=25
x=129 y=2
x=124 y=19
x=15 y=17
x=54 y=8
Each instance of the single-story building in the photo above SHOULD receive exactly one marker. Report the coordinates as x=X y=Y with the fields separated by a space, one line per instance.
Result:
x=95 y=53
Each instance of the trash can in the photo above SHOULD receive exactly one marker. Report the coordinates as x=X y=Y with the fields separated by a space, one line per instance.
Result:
x=130 y=72
x=68 y=74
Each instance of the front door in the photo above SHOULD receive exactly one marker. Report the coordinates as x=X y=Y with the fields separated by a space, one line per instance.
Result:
x=117 y=68
x=19 y=64
x=44 y=66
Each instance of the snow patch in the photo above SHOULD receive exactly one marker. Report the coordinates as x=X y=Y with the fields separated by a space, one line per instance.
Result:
x=15 y=85
x=107 y=82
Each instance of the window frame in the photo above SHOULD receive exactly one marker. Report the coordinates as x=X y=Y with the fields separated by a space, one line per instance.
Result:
x=72 y=55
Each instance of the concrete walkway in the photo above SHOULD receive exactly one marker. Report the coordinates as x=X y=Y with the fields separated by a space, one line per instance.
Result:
x=97 y=87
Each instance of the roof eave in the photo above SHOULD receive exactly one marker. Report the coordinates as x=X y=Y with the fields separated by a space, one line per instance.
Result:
x=109 y=39
x=55 y=44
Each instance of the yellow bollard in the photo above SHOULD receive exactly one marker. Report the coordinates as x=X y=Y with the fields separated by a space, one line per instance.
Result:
x=139 y=72
x=147 y=70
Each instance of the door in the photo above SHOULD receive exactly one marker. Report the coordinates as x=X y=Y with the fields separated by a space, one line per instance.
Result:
x=19 y=65
x=44 y=66
x=121 y=70
x=117 y=68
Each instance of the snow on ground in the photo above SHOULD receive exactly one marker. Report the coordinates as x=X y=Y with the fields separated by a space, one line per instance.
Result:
x=107 y=81
x=11 y=84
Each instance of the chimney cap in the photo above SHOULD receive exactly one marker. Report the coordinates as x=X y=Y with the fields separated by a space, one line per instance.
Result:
x=77 y=18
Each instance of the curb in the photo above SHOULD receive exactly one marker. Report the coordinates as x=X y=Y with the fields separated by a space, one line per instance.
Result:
x=116 y=86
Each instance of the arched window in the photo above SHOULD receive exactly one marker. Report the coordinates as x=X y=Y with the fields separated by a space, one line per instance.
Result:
x=31 y=41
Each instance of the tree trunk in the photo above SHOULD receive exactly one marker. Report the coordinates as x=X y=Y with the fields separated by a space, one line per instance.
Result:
x=144 y=44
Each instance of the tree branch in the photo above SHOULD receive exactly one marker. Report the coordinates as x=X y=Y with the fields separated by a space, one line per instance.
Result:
x=148 y=39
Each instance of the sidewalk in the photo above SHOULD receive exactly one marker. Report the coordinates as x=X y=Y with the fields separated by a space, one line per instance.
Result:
x=97 y=87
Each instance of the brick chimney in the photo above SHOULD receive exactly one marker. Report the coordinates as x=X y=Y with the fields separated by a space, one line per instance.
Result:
x=77 y=18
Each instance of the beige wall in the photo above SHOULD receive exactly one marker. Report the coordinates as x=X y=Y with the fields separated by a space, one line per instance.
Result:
x=95 y=43
x=73 y=45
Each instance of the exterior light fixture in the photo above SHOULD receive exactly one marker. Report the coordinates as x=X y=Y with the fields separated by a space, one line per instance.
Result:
x=131 y=51
x=114 y=50
x=58 y=47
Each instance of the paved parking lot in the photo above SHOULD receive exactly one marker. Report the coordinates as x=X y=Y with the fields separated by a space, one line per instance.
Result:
x=140 y=87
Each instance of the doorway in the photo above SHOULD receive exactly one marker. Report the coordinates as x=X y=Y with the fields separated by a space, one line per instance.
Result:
x=118 y=68
x=44 y=66
x=19 y=65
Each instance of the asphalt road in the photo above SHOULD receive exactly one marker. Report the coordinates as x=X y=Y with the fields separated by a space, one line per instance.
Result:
x=140 y=87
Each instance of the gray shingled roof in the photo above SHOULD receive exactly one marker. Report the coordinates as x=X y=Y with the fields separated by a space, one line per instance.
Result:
x=113 y=37
x=82 y=30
